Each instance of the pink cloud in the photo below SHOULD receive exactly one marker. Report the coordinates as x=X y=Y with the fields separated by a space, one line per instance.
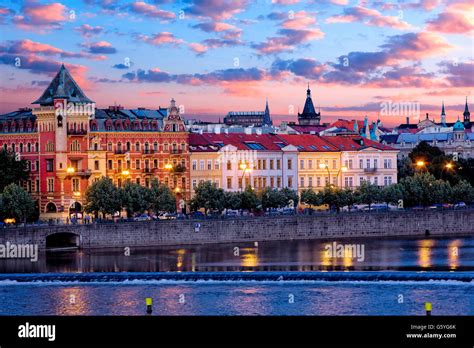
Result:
x=457 y=18
x=160 y=39
x=148 y=10
x=299 y=20
x=37 y=16
x=87 y=30
x=197 y=47
x=288 y=40
x=216 y=9
x=369 y=17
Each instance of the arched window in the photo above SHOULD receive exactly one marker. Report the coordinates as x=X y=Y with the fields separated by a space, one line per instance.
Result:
x=137 y=146
x=51 y=208
x=60 y=121
x=21 y=147
x=28 y=147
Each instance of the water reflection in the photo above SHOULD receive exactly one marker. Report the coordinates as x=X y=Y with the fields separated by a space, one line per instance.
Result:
x=71 y=301
x=424 y=252
x=301 y=255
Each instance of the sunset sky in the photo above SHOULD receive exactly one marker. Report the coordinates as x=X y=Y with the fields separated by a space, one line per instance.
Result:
x=218 y=56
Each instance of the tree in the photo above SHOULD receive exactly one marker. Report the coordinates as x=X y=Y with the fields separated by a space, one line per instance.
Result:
x=17 y=203
x=311 y=198
x=208 y=196
x=11 y=170
x=134 y=198
x=423 y=189
x=289 y=195
x=334 y=197
x=161 y=197
x=102 y=197
x=405 y=168
x=232 y=200
x=463 y=192
x=249 y=199
x=368 y=193
x=391 y=194
x=271 y=198
x=350 y=197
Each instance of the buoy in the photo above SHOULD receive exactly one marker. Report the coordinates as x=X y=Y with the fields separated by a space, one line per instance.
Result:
x=149 y=308
x=428 y=308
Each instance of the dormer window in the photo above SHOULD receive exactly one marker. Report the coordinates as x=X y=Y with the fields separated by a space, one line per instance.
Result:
x=60 y=121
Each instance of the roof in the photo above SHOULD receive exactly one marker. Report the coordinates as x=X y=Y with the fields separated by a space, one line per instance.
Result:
x=355 y=143
x=259 y=142
x=308 y=142
x=199 y=143
x=308 y=128
x=62 y=86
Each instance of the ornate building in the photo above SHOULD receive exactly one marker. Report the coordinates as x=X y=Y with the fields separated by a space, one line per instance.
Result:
x=68 y=144
x=249 y=118
x=309 y=116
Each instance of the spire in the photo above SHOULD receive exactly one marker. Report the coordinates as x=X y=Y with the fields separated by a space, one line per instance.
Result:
x=267 y=121
x=466 y=114
x=443 y=116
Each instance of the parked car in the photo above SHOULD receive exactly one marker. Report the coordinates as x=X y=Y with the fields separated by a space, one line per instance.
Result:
x=288 y=211
x=198 y=215
x=460 y=205
x=142 y=217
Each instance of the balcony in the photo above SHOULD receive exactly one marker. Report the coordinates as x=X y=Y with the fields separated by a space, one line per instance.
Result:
x=85 y=173
x=370 y=170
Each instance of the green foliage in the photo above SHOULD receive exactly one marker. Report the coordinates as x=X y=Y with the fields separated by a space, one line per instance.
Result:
x=423 y=189
x=134 y=198
x=405 y=168
x=391 y=194
x=11 y=171
x=369 y=193
x=161 y=198
x=17 y=203
x=208 y=196
x=463 y=192
x=102 y=197
x=249 y=199
x=289 y=196
x=271 y=198
x=311 y=198
x=232 y=200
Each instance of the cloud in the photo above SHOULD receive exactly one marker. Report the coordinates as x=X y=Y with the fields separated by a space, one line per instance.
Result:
x=100 y=47
x=305 y=67
x=216 y=9
x=198 y=48
x=122 y=66
x=369 y=17
x=459 y=74
x=37 y=17
x=87 y=30
x=160 y=39
x=457 y=18
x=140 y=7
x=22 y=47
x=295 y=29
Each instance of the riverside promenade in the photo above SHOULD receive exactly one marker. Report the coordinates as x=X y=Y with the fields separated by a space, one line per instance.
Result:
x=435 y=223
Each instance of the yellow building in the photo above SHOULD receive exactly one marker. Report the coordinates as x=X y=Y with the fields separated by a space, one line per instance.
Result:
x=204 y=162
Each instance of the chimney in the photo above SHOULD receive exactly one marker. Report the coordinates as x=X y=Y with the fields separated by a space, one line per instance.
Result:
x=408 y=119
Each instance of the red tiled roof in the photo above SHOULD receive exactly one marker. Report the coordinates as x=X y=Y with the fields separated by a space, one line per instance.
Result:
x=198 y=143
x=240 y=140
x=354 y=143
x=308 y=142
x=308 y=129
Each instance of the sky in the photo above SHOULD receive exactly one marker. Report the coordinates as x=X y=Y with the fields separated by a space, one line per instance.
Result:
x=384 y=59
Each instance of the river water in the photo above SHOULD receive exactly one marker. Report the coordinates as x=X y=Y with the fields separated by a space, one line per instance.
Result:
x=387 y=277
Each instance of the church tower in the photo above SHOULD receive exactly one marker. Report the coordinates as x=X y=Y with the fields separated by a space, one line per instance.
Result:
x=466 y=114
x=443 y=116
x=309 y=116
x=267 y=121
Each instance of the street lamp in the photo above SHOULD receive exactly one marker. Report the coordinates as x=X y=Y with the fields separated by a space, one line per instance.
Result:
x=420 y=164
x=125 y=172
x=70 y=170
x=325 y=166
x=342 y=169
x=447 y=166
x=244 y=167
x=168 y=166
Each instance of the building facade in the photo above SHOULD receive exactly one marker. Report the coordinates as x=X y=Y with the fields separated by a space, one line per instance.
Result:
x=68 y=144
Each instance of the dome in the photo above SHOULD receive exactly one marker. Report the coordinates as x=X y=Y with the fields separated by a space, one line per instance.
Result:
x=458 y=126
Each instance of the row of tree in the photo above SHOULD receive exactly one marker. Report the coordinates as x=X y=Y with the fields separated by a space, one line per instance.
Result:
x=103 y=197
x=211 y=198
x=421 y=189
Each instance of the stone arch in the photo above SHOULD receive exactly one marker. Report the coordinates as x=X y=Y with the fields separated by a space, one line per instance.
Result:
x=50 y=208
x=63 y=240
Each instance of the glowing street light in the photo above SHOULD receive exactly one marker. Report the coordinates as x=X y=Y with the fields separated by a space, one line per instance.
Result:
x=245 y=168
x=420 y=164
x=70 y=170
x=76 y=194
x=448 y=166
x=177 y=190
x=168 y=166
x=125 y=172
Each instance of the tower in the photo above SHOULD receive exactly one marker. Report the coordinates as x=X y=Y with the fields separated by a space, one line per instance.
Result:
x=466 y=114
x=443 y=116
x=309 y=116
x=267 y=121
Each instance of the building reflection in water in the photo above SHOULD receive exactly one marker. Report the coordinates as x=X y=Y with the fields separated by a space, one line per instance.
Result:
x=453 y=254
x=425 y=247
x=249 y=257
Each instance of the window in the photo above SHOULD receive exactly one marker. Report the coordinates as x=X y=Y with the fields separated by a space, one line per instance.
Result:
x=278 y=182
x=348 y=181
x=216 y=165
x=37 y=165
x=96 y=165
x=110 y=164
x=137 y=146
x=218 y=183
x=318 y=181
x=264 y=182
x=278 y=165
x=361 y=164
x=361 y=181
x=119 y=165
x=350 y=164
x=49 y=147
x=387 y=180
x=387 y=163
x=376 y=180
x=209 y=164
x=229 y=182
x=289 y=166
x=229 y=165
x=21 y=147
x=301 y=164
x=272 y=182
x=75 y=184
x=137 y=180
x=194 y=184
x=368 y=162
x=240 y=183
x=255 y=146
x=290 y=181
x=310 y=164
x=334 y=164
x=310 y=181
x=375 y=163
x=109 y=147
x=128 y=146
x=271 y=165
x=49 y=165
x=137 y=164
x=334 y=180
x=194 y=165
x=301 y=181
x=50 y=184
x=201 y=165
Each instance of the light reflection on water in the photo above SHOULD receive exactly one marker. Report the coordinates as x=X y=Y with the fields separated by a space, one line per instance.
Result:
x=302 y=255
